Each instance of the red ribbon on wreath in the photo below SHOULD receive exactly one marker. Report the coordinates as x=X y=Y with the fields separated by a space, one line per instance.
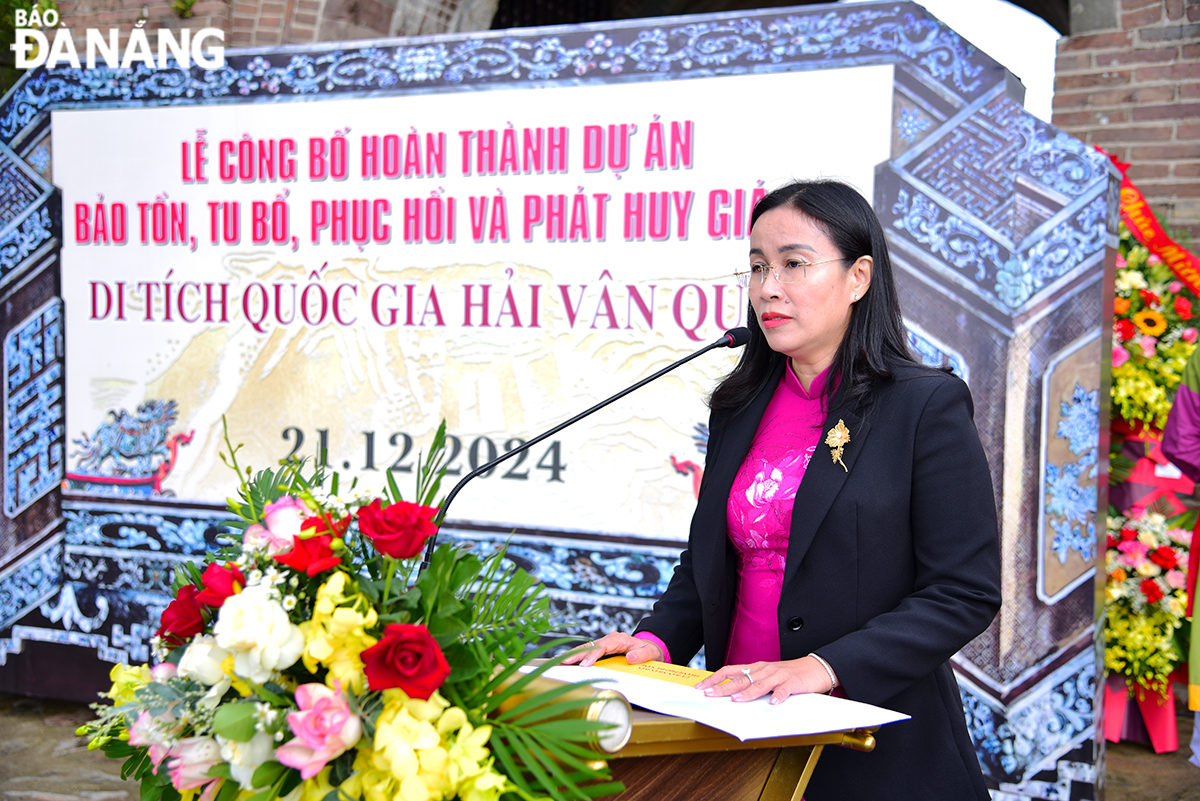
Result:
x=1141 y=222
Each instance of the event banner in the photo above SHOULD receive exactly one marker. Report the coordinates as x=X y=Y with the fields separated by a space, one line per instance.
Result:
x=339 y=276
x=328 y=249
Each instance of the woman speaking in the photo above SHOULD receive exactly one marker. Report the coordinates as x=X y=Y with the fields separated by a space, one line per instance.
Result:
x=845 y=531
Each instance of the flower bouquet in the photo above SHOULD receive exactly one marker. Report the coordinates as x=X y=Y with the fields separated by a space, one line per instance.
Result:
x=1153 y=334
x=309 y=660
x=1145 y=596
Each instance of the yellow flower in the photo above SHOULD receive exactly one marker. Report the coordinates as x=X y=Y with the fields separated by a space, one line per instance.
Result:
x=367 y=781
x=487 y=786
x=398 y=737
x=243 y=689
x=1150 y=322
x=126 y=682
x=336 y=636
x=316 y=788
x=426 y=751
x=430 y=709
x=413 y=788
x=468 y=753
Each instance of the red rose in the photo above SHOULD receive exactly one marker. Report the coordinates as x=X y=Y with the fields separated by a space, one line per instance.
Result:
x=1183 y=307
x=400 y=530
x=1113 y=542
x=1128 y=534
x=182 y=619
x=1148 y=297
x=407 y=657
x=220 y=582
x=1165 y=557
x=1124 y=329
x=311 y=555
x=1152 y=591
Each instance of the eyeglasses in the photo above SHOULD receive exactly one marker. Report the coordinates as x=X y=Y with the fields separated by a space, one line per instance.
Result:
x=789 y=273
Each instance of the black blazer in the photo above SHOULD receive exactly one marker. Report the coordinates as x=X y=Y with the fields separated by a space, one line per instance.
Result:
x=893 y=565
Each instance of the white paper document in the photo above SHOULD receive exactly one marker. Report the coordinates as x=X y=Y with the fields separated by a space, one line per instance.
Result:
x=750 y=720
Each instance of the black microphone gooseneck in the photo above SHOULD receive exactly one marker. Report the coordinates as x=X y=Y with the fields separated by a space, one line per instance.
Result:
x=733 y=338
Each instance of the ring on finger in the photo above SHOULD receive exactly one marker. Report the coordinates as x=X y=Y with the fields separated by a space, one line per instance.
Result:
x=591 y=643
x=746 y=673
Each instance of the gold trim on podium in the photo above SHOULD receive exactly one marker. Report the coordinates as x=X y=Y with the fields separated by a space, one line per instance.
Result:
x=671 y=758
x=665 y=758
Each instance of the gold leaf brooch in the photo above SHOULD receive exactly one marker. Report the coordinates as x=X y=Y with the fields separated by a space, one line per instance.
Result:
x=837 y=438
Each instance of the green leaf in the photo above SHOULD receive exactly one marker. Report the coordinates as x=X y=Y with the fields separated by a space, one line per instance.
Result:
x=446 y=629
x=463 y=661
x=393 y=488
x=235 y=721
x=266 y=695
x=221 y=771
x=547 y=700
x=229 y=791
x=150 y=788
x=169 y=793
x=291 y=780
x=268 y=773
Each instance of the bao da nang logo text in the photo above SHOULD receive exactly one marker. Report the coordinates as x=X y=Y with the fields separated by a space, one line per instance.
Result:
x=34 y=46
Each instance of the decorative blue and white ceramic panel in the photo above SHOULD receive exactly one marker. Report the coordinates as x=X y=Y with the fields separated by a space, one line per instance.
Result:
x=29 y=213
x=31 y=581
x=813 y=37
x=34 y=424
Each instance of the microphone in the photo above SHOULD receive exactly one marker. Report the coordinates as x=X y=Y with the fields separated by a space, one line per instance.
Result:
x=733 y=338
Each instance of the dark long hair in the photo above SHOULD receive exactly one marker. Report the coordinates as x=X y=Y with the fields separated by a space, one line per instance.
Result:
x=875 y=335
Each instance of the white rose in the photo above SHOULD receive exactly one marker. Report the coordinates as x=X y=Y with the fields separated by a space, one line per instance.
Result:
x=202 y=661
x=255 y=627
x=245 y=758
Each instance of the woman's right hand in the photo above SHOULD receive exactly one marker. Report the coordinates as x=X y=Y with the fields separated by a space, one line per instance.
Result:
x=636 y=650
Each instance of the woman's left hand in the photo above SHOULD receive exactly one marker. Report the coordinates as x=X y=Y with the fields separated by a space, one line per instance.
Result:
x=780 y=679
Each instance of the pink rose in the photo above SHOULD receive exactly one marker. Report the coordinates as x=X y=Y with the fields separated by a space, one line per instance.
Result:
x=282 y=520
x=1120 y=355
x=324 y=728
x=1174 y=287
x=1153 y=260
x=191 y=759
x=1176 y=579
x=1149 y=346
x=1135 y=552
x=1181 y=536
x=1120 y=262
x=163 y=671
x=156 y=732
x=1188 y=335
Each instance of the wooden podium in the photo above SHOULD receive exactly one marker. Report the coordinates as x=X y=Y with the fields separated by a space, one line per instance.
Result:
x=670 y=758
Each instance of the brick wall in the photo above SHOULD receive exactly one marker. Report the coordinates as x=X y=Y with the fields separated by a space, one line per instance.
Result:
x=259 y=23
x=79 y=15
x=1131 y=84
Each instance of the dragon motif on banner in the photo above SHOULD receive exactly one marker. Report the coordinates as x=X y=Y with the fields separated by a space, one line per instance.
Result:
x=133 y=453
